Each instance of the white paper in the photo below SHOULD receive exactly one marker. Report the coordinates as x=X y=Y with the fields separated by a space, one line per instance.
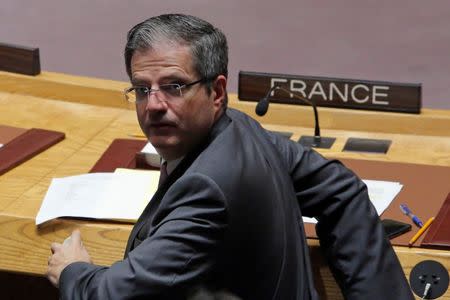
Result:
x=118 y=196
x=151 y=155
x=123 y=195
x=381 y=194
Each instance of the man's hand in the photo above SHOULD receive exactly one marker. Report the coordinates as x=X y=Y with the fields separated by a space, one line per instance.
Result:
x=72 y=250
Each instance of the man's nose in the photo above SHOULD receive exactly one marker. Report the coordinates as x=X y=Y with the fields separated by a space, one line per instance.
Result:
x=155 y=102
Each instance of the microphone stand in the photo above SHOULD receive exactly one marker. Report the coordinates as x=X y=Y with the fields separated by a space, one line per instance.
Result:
x=316 y=141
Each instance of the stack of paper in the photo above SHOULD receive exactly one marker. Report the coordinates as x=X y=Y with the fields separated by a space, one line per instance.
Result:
x=120 y=196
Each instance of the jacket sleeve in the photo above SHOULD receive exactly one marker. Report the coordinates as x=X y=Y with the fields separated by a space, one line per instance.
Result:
x=351 y=236
x=178 y=252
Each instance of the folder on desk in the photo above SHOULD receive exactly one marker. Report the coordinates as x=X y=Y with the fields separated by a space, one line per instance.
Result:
x=8 y=133
x=438 y=235
x=19 y=144
x=120 y=154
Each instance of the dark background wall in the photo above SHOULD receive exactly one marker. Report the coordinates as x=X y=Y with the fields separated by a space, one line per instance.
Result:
x=401 y=41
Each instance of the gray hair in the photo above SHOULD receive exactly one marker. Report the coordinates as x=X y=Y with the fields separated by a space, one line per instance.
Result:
x=208 y=44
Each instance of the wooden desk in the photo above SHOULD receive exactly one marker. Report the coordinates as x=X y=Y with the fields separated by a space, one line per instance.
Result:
x=92 y=113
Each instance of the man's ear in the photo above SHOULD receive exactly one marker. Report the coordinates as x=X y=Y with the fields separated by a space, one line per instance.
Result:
x=219 y=91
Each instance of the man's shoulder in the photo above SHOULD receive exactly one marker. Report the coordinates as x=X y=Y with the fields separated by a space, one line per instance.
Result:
x=226 y=153
x=241 y=117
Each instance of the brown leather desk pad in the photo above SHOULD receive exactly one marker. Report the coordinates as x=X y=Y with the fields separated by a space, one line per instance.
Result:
x=8 y=133
x=23 y=144
x=425 y=188
x=121 y=153
x=438 y=235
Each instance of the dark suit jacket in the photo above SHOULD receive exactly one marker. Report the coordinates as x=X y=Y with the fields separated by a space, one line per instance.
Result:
x=229 y=217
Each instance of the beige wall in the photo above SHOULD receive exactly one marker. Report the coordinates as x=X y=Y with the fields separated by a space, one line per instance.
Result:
x=401 y=41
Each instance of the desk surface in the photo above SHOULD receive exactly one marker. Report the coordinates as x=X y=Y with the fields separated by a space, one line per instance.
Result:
x=92 y=113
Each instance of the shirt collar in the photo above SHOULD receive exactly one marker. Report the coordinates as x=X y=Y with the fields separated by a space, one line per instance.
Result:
x=172 y=164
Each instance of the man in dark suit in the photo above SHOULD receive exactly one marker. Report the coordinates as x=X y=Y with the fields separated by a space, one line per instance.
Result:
x=228 y=215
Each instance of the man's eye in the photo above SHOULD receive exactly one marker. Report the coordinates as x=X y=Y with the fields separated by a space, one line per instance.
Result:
x=141 y=91
x=170 y=87
x=173 y=90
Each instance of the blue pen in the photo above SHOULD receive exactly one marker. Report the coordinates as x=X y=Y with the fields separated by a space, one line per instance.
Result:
x=405 y=209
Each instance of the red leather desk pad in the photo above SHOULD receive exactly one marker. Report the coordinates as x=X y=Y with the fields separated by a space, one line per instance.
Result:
x=24 y=144
x=425 y=188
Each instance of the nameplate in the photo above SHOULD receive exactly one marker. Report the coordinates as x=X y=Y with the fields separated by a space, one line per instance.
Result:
x=18 y=59
x=332 y=92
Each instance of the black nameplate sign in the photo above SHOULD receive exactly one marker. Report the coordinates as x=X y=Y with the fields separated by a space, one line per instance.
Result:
x=332 y=92
x=19 y=59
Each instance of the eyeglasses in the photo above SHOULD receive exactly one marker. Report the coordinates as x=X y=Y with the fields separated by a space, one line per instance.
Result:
x=170 y=91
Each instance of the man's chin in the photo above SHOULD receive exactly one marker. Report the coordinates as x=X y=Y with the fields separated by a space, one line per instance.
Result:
x=163 y=143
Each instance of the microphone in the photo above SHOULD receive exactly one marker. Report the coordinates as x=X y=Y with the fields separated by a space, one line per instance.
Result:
x=263 y=104
x=317 y=140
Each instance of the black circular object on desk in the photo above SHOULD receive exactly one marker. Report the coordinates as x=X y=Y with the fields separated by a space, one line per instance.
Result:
x=432 y=272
